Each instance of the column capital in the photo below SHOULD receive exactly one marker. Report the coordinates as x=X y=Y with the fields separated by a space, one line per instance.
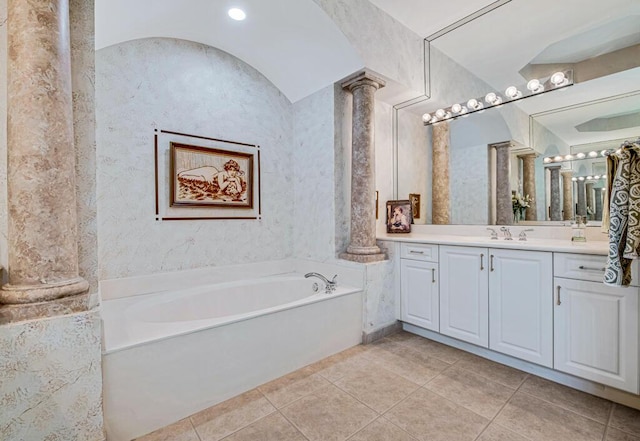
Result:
x=364 y=78
x=566 y=173
x=501 y=145
x=528 y=155
x=554 y=167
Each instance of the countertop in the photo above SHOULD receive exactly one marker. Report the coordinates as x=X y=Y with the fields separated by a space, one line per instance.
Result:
x=596 y=247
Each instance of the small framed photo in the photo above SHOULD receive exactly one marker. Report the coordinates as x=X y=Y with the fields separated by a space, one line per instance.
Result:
x=399 y=216
x=415 y=205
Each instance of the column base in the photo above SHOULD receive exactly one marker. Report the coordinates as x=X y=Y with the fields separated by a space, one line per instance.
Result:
x=24 y=294
x=33 y=311
x=364 y=258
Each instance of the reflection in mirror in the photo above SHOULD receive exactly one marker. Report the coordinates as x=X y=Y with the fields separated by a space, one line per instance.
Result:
x=600 y=44
x=576 y=139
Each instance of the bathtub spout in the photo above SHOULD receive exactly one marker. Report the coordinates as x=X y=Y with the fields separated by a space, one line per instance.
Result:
x=330 y=285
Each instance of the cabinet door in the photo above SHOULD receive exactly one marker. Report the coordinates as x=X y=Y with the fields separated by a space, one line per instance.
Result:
x=464 y=299
x=419 y=293
x=521 y=304
x=596 y=332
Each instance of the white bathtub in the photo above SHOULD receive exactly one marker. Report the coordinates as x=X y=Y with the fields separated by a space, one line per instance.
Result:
x=170 y=354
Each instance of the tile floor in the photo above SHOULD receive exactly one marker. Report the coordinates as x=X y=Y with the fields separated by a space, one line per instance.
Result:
x=407 y=388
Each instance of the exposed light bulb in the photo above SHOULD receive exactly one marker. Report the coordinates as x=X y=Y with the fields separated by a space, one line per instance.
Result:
x=535 y=86
x=426 y=118
x=558 y=79
x=596 y=177
x=440 y=113
x=237 y=14
x=574 y=179
x=512 y=92
x=474 y=104
x=581 y=178
x=464 y=110
x=568 y=157
x=547 y=160
x=456 y=108
x=593 y=154
x=491 y=98
x=589 y=178
x=580 y=155
x=558 y=158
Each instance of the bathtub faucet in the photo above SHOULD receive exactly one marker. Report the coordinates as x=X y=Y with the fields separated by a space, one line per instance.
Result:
x=329 y=285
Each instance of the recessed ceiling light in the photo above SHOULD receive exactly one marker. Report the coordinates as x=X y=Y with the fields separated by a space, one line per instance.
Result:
x=237 y=14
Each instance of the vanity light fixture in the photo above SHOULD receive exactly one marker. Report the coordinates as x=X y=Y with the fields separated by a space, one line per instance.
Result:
x=581 y=155
x=557 y=81
x=237 y=14
x=589 y=178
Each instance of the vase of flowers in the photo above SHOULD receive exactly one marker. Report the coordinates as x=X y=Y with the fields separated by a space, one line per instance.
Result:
x=519 y=204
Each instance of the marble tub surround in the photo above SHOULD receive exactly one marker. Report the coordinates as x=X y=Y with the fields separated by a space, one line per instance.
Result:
x=408 y=388
x=43 y=254
x=51 y=382
x=362 y=243
x=440 y=190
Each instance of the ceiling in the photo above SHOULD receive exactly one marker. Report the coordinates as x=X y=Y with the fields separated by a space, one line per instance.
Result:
x=301 y=50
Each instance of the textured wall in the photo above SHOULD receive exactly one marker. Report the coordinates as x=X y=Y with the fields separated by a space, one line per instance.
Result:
x=4 y=254
x=51 y=382
x=384 y=44
x=414 y=162
x=314 y=171
x=384 y=159
x=191 y=88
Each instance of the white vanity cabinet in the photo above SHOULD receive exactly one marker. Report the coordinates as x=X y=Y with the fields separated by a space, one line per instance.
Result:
x=419 y=302
x=464 y=294
x=595 y=325
x=521 y=304
x=500 y=299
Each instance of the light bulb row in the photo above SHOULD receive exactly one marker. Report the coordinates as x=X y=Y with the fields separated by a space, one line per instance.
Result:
x=581 y=155
x=493 y=99
x=589 y=178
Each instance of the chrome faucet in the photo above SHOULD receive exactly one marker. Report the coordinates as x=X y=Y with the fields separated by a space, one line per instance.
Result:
x=329 y=285
x=494 y=233
x=523 y=234
x=507 y=233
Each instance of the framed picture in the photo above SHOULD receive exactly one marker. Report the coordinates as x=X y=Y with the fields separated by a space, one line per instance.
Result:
x=415 y=205
x=210 y=177
x=399 y=216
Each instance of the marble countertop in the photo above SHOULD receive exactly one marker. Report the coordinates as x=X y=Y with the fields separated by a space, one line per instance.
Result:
x=597 y=247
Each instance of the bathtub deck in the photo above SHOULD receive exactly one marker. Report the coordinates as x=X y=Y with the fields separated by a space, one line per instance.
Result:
x=407 y=388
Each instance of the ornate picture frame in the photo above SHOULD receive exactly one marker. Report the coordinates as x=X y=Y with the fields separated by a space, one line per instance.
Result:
x=210 y=177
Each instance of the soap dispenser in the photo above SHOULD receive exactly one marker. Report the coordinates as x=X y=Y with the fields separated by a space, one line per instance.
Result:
x=579 y=230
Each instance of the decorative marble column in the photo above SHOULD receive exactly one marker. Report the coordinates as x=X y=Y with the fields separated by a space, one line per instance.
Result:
x=362 y=246
x=590 y=196
x=556 y=210
x=598 y=215
x=529 y=184
x=42 y=242
x=581 y=209
x=504 y=207
x=567 y=195
x=440 y=190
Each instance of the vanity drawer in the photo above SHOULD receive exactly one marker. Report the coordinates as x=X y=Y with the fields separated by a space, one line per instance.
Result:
x=419 y=251
x=586 y=267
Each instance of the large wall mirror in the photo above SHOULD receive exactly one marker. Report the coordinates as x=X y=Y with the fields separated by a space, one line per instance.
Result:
x=573 y=126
